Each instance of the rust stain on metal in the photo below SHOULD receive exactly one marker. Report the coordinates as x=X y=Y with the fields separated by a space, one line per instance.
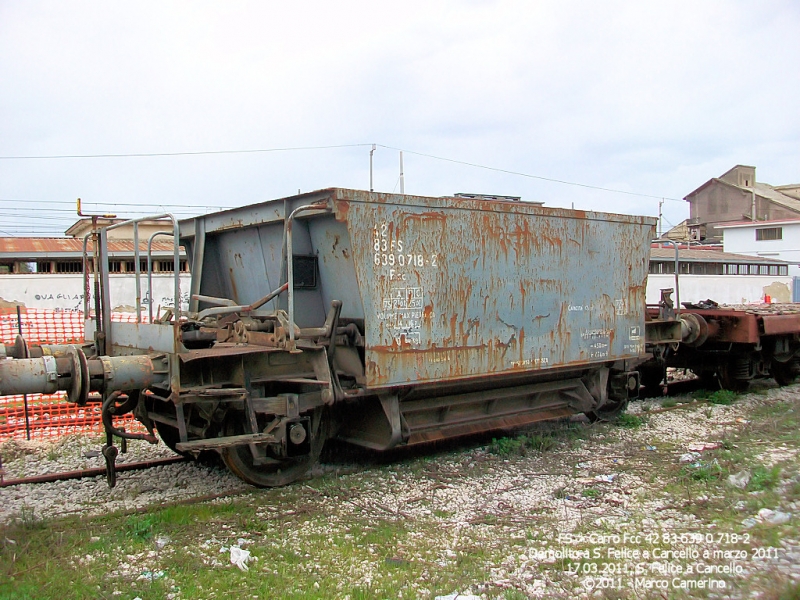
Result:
x=342 y=210
x=533 y=287
x=233 y=283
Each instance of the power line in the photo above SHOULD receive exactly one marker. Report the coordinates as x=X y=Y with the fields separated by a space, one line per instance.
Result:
x=528 y=175
x=337 y=146
x=112 y=204
x=67 y=213
x=197 y=153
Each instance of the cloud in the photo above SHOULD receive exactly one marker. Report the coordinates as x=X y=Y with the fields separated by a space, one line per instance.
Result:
x=641 y=97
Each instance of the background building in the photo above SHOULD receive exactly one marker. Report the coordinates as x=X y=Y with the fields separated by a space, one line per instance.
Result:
x=767 y=239
x=736 y=196
x=48 y=273
x=723 y=277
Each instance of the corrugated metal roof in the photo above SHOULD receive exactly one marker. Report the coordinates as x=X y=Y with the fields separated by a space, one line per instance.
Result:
x=715 y=256
x=19 y=247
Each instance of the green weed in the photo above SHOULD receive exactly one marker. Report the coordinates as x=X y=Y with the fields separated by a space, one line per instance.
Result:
x=28 y=520
x=141 y=527
x=630 y=421
x=792 y=592
x=706 y=472
x=723 y=397
x=507 y=446
x=522 y=444
x=762 y=478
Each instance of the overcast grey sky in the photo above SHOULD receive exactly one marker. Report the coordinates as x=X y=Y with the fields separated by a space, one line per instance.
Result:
x=652 y=98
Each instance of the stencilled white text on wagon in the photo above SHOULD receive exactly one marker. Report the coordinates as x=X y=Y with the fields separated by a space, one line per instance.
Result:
x=402 y=309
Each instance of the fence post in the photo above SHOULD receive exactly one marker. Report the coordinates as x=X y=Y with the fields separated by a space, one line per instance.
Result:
x=24 y=397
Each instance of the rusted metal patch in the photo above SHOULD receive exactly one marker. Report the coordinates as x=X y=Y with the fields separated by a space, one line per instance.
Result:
x=781 y=324
x=456 y=288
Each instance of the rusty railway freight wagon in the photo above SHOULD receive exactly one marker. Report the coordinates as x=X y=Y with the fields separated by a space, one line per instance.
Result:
x=378 y=319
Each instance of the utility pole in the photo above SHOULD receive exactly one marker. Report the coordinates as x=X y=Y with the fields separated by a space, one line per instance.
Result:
x=371 y=152
x=402 y=176
x=660 y=217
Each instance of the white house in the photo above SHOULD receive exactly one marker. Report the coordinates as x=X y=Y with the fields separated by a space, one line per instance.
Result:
x=779 y=239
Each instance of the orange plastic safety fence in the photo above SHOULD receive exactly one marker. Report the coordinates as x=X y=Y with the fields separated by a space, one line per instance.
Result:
x=50 y=415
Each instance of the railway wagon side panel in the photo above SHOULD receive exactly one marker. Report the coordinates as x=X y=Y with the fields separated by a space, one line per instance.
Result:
x=456 y=289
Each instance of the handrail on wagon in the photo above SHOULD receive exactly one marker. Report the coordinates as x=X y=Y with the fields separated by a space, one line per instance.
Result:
x=176 y=270
x=286 y=258
x=677 y=268
x=104 y=319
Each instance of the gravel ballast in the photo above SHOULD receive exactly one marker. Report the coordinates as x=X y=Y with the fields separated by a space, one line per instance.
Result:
x=474 y=496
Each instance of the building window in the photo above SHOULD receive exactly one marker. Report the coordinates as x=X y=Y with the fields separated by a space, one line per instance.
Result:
x=660 y=268
x=69 y=266
x=168 y=266
x=769 y=233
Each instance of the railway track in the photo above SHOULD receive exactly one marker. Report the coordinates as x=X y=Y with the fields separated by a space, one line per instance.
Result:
x=674 y=388
x=96 y=472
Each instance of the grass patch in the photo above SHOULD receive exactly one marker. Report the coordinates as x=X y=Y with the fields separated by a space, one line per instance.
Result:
x=28 y=520
x=722 y=397
x=763 y=478
x=523 y=444
x=508 y=446
x=706 y=472
x=300 y=548
x=669 y=403
x=140 y=527
x=336 y=536
x=630 y=421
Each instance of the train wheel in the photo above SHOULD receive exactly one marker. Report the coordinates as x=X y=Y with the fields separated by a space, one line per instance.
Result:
x=278 y=471
x=785 y=373
x=170 y=436
x=733 y=375
x=167 y=433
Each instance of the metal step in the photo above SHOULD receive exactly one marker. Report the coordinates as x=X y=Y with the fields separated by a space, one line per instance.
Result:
x=225 y=442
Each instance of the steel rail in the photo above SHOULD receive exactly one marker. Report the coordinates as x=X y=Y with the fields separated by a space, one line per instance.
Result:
x=96 y=472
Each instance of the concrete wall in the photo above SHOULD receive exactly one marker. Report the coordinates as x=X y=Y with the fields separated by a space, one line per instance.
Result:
x=65 y=292
x=718 y=202
x=724 y=289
